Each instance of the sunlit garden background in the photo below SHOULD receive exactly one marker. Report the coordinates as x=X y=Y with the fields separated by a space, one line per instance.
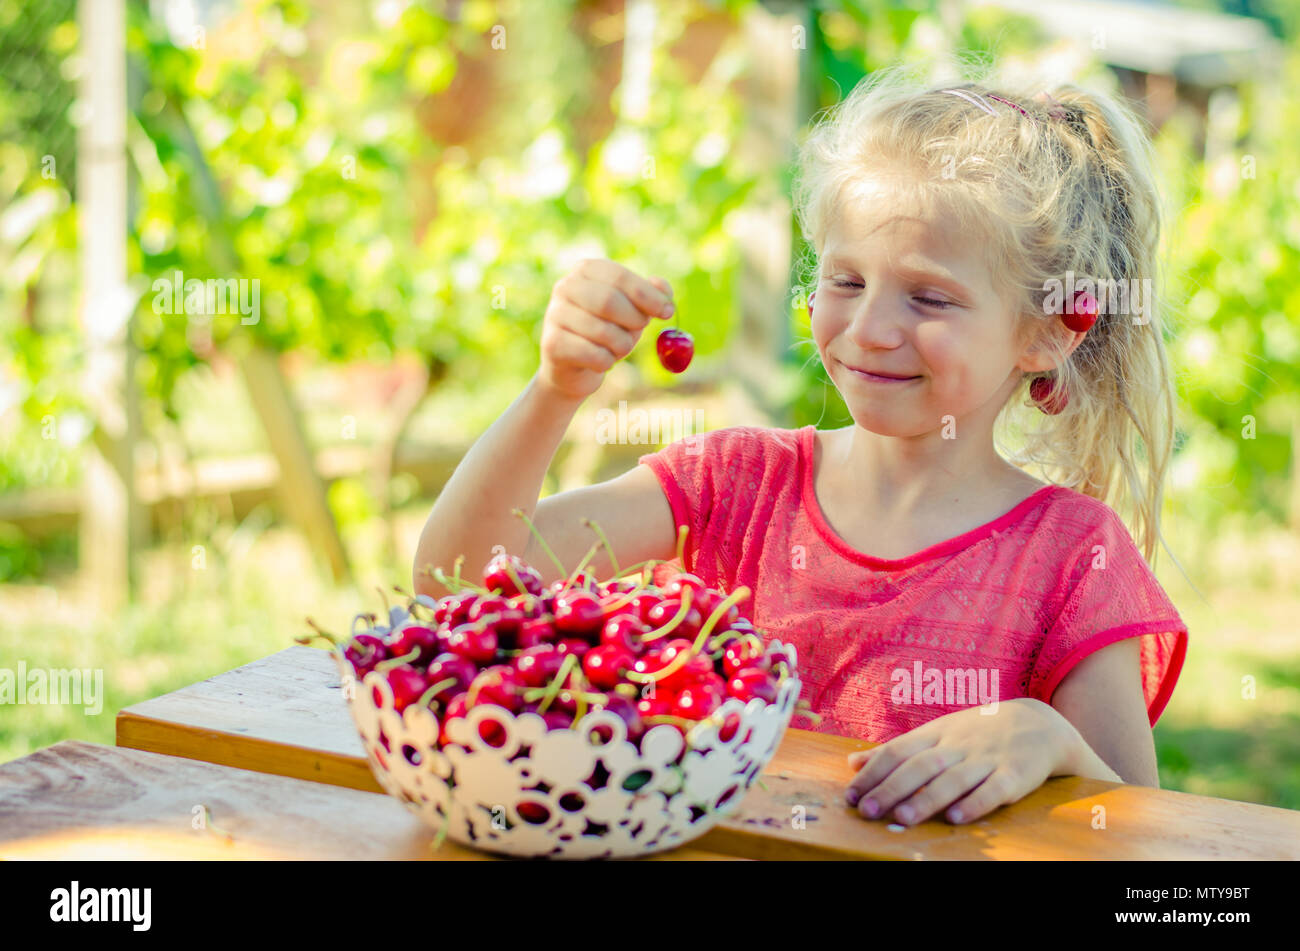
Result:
x=405 y=181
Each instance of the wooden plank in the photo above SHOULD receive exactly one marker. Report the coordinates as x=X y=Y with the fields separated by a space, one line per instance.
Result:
x=282 y=715
x=83 y=801
x=302 y=493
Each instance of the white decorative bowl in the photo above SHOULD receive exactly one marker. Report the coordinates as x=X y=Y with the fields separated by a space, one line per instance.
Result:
x=600 y=800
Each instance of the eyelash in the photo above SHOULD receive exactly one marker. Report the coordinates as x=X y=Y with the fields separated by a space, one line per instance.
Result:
x=928 y=301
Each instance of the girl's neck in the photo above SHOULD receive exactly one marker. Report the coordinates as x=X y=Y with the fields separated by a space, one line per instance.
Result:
x=908 y=477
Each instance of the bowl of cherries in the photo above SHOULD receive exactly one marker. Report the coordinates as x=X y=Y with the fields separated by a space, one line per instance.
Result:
x=584 y=719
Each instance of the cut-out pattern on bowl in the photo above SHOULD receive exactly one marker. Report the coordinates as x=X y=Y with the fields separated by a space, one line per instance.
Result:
x=568 y=795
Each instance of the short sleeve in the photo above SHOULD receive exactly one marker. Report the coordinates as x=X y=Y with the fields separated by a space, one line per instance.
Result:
x=698 y=476
x=1113 y=595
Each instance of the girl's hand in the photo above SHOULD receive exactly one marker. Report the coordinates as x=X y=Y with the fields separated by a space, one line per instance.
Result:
x=594 y=319
x=970 y=761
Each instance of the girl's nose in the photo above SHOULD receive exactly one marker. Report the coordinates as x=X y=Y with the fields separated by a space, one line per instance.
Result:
x=875 y=323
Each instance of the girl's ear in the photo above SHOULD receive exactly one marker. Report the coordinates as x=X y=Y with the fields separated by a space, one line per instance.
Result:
x=1048 y=346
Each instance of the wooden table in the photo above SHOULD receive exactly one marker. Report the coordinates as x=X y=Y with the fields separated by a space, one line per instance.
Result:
x=284 y=715
x=84 y=801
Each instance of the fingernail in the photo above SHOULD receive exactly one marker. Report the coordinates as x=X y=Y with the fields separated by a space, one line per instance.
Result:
x=853 y=796
x=954 y=815
x=870 y=807
x=906 y=813
x=669 y=309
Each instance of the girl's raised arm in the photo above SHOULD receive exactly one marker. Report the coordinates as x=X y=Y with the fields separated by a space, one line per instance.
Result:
x=595 y=317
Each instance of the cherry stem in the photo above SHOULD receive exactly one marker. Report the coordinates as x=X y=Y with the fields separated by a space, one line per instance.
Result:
x=213 y=827
x=740 y=594
x=681 y=545
x=514 y=576
x=456 y=584
x=595 y=527
x=672 y=623
x=627 y=598
x=540 y=540
x=669 y=718
x=436 y=689
x=387 y=665
x=554 y=686
x=591 y=553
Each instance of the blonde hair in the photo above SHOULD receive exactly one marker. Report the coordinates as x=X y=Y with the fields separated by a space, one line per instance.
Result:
x=1070 y=187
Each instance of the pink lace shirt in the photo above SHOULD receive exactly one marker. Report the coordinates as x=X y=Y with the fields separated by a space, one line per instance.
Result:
x=1003 y=611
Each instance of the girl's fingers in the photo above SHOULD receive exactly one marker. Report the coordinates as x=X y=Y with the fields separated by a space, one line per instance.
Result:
x=907 y=779
x=884 y=760
x=600 y=332
x=644 y=295
x=573 y=351
x=861 y=756
x=605 y=302
x=944 y=789
x=1001 y=787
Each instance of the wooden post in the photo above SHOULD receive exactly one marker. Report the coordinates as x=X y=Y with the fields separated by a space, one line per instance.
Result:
x=301 y=489
x=776 y=103
x=112 y=520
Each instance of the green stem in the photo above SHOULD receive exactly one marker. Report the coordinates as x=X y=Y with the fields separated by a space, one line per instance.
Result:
x=740 y=594
x=672 y=623
x=595 y=527
x=681 y=545
x=540 y=540
x=591 y=553
x=436 y=689
x=386 y=665
x=553 y=687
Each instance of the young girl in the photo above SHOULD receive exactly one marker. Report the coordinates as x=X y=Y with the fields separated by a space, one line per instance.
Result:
x=987 y=629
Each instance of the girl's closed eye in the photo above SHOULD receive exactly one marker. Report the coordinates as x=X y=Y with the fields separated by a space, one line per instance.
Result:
x=935 y=302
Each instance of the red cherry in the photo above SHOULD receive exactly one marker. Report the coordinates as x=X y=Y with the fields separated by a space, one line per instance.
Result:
x=555 y=719
x=577 y=612
x=574 y=645
x=624 y=708
x=643 y=603
x=497 y=575
x=1085 y=313
x=683 y=580
x=538 y=665
x=450 y=665
x=661 y=704
x=455 y=709
x=667 y=609
x=697 y=701
x=752 y=682
x=498 y=684
x=675 y=348
x=730 y=724
x=454 y=608
x=741 y=654
x=364 y=652
x=606 y=665
x=474 y=642
x=416 y=635
x=623 y=630
x=535 y=631
x=695 y=668
x=407 y=684
x=1050 y=398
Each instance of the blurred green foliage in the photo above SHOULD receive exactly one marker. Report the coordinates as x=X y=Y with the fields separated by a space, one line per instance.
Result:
x=401 y=180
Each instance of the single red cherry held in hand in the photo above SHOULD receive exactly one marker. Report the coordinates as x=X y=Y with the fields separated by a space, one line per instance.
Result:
x=675 y=348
